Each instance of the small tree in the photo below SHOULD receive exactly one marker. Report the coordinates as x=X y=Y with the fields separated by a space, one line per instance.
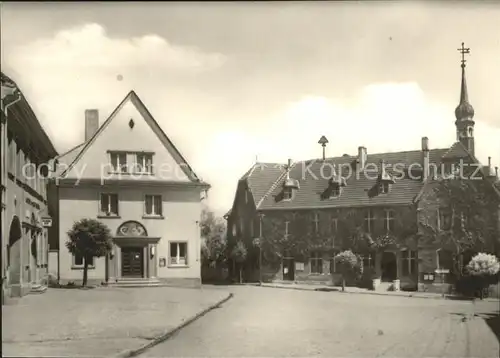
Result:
x=89 y=238
x=483 y=267
x=213 y=232
x=349 y=266
x=239 y=255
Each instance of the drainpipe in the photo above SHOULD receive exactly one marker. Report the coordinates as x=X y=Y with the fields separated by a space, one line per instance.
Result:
x=5 y=109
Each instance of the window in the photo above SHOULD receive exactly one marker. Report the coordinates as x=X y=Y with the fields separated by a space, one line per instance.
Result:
x=287 y=193
x=368 y=260
x=315 y=223
x=335 y=193
x=409 y=262
x=144 y=163
x=109 y=204
x=178 y=253
x=384 y=187
x=369 y=218
x=242 y=226
x=287 y=223
x=333 y=265
x=444 y=259
x=389 y=221
x=153 y=205
x=119 y=162
x=316 y=262
x=444 y=219
x=78 y=261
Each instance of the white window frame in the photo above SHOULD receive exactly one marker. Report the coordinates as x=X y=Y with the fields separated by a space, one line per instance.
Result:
x=319 y=259
x=316 y=223
x=370 y=258
x=369 y=220
x=287 y=233
x=335 y=192
x=75 y=266
x=384 y=187
x=389 y=220
x=409 y=260
x=120 y=167
x=153 y=213
x=143 y=167
x=444 y=212
x=287 y=193
x=178 y=258
x=105 y=213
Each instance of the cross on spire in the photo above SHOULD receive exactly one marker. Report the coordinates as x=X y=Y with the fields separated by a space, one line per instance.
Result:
x=464 y=50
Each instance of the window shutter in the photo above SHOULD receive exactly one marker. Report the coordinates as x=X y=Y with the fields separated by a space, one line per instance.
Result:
x=114 y=203
x=158 y=204
x=104 y=203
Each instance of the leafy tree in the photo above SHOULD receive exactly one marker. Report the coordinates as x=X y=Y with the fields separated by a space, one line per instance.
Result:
x=469 y=203
x=213 y=233
x=349 y=265
x=89 y=238
x=483 y=267
x=239 y=255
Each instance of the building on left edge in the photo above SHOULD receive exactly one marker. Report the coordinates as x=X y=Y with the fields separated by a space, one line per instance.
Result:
x=26 y=156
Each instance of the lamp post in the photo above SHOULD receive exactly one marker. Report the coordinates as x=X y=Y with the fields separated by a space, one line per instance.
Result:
x=260 y=247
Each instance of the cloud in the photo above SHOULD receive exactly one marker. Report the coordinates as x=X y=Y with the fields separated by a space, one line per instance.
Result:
x=90 y=46
x=78 y=68
x=383 y=117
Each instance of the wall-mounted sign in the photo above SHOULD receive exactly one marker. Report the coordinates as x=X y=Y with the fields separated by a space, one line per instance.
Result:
x=163 y=262
x=442 y=271
x=46 y=222
x=299 y=266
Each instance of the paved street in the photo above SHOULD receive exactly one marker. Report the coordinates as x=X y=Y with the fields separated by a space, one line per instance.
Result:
x=261 y=321
x=98 y=322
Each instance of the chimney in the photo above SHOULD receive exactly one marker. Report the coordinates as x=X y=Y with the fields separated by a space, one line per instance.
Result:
x=425 y=158
x=362 y=157
x=91 y=123
x=496 y=172
x=288 y=168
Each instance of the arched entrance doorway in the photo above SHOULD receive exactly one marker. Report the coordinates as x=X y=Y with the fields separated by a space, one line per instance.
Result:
x=388 y=266
x=14 y=251
x=135 y=252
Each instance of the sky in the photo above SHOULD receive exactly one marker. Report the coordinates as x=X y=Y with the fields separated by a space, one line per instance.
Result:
x=235 y=82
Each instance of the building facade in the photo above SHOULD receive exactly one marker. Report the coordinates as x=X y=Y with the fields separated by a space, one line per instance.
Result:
x=26 y=154
x=130 y=176
x=295 y=217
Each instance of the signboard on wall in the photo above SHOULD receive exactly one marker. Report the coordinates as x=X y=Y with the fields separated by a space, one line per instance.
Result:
x=163 y=262
x=46 y=222
x=299 y=266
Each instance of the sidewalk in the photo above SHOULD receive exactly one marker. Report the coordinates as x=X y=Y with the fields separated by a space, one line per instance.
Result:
x=98 y=322
x=357 y=290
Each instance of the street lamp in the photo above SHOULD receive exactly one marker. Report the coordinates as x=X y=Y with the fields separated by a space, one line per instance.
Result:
x=260 y=247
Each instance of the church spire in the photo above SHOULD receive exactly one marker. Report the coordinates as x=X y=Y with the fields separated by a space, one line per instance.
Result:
x=464 y=112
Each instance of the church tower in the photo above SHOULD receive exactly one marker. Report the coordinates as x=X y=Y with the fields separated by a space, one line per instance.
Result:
x=464 y=113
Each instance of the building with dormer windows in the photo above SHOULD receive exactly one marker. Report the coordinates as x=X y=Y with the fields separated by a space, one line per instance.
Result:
x=379 y=205
x=129 y=175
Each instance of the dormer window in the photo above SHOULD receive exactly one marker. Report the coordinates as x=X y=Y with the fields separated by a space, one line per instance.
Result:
x=335 y=192
x=287 y=193
x=384 y=187
x=335 y=185
x=289 y=186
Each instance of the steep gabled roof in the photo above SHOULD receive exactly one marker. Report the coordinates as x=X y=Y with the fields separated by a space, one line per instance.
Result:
x=74 y=155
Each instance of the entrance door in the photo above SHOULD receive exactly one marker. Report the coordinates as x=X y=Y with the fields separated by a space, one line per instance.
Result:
x=288 y=269
x=132 y=262
x=389 y=266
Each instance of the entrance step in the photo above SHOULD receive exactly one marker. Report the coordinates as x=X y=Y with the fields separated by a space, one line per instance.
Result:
x=384 y=286
x=135 y=282
x=37 y=289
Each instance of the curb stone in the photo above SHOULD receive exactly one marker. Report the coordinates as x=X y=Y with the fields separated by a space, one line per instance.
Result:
x=409 y=295
x=164 y=336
